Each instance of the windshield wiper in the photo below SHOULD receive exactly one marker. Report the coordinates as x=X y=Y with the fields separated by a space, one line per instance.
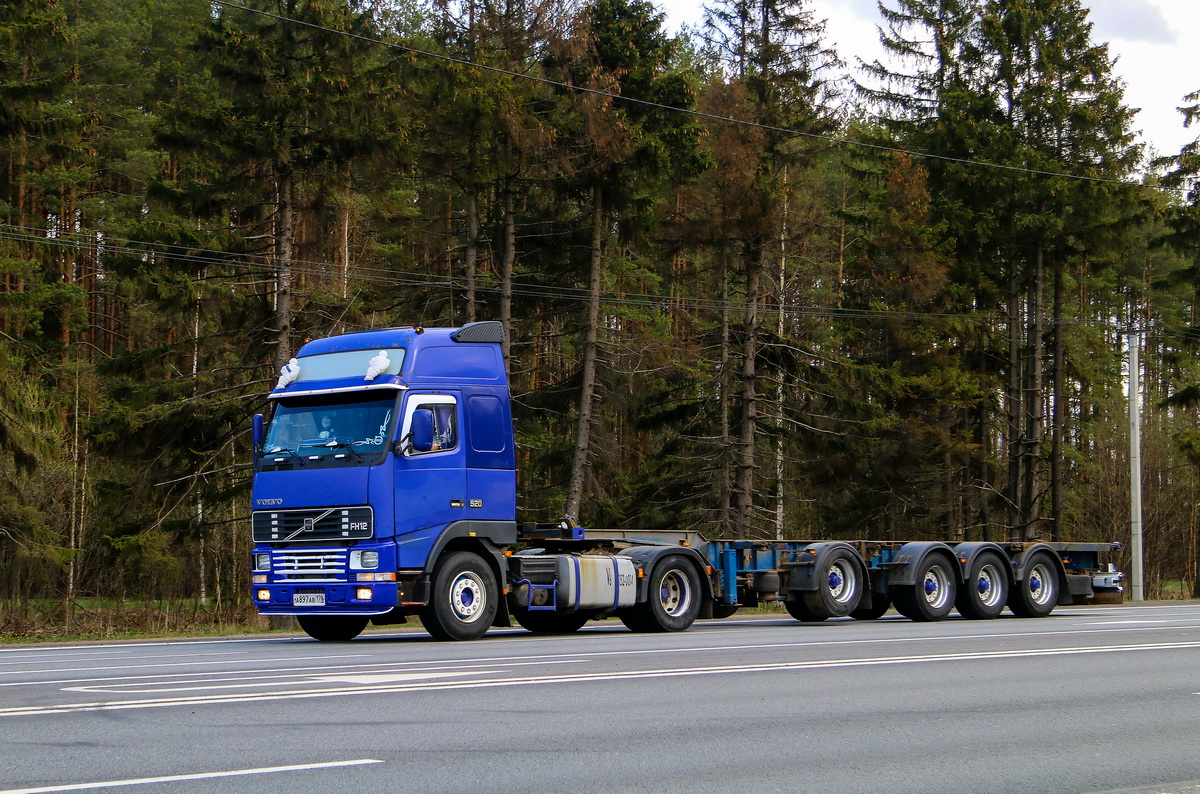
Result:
x=333 y=443
x=277 y=450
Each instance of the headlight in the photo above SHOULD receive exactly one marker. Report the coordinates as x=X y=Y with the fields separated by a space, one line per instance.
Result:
x=363 y=594
x=262 y=562
x=264 y=595
x=364 y=559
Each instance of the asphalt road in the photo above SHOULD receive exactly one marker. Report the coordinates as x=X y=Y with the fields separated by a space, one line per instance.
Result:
x=1089 y=699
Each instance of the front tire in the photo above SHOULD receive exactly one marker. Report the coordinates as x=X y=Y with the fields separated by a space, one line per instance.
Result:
x=931 y=597
x=1037 y=595
x=332 y=628
x=673 y=599
x=985 y=592
x=464 y=599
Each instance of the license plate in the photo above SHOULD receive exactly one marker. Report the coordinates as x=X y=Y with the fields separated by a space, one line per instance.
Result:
x=308 y=599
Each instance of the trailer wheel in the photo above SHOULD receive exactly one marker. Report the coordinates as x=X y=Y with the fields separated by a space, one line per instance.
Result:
x=931 y=597
x=1037 y=595
x=674 y=598
x=332 y=628
x=839 y=587
x=550 y=622
x=464 y=598
x=879 y=605
x=798 y=608
x=986 y=590
x=721 y=610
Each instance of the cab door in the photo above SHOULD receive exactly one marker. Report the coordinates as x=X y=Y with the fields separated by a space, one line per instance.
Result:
x=431 y=487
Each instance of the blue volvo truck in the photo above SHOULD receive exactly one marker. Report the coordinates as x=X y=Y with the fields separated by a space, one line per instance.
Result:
x=385 y=487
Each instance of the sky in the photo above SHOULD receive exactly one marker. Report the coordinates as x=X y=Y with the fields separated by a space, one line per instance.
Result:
x=1147 y=37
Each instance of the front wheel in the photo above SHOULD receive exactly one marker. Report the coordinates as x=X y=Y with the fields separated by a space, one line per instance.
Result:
x=1038 y=594
x=931 y=596
x=332 y=628
x=464 y=599
x=673 y=600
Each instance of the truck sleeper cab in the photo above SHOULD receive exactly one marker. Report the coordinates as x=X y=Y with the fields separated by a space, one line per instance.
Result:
x=385 y=487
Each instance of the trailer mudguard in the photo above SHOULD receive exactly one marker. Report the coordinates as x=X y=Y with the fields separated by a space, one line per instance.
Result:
x=644 y=558
x=965 y=554
x=1021 y=570
x=909 y=558
x=813 y=558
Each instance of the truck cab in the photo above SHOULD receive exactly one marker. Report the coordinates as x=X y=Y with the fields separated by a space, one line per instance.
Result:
x=384 y=450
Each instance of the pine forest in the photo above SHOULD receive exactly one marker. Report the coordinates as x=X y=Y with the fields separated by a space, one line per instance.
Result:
x=741 y=292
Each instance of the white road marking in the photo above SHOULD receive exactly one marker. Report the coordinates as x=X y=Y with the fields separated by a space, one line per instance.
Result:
x=139 y=781
x=115 y=657
x=171 y=664
x=73 y=708
x=1125 y=622
x=391 y=678
x=287 y=678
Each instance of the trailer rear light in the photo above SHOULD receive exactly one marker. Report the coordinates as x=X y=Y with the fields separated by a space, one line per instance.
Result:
x=381 y=576
x=363 y=593
x=259 y=578
x=264 y=595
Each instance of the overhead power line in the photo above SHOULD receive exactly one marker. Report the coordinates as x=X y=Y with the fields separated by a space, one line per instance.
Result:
x=691 y=112
x=105 y=245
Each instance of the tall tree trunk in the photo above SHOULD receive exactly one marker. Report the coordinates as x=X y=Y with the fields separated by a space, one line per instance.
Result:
x=1059 y=416
x=284 y=245
x=1034 y=405
x=1013 y=405
x=749 y=415
x=471 y=253
x=725 y=518
x=506 y=273
x=587 y=387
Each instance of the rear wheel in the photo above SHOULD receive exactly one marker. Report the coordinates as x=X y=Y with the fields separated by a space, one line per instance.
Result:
x=673 y=600
x=332 y=628
x=931 y=597
x=986 y=590
x=798 y=608
x=839 y=587
x=879 y=605
x=1038 y=594
x=464 y=599
x=550 y=622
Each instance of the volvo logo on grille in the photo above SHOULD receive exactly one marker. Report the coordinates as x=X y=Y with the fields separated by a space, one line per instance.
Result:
x=310 y=523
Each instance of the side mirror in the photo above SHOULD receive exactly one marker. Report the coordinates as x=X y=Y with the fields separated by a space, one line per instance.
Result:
x=421 y=430
x=256 y=434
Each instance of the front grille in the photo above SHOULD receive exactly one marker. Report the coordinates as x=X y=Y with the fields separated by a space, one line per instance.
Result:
x=320 y=524
x=316 y=565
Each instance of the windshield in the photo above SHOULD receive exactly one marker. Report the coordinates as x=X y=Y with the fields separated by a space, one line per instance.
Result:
x=348 y=429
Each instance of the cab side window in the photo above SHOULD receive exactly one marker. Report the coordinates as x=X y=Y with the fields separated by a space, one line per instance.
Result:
x=445 y=421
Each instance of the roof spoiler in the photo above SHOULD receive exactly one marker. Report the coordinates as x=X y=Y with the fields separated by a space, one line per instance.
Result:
x=487 y=331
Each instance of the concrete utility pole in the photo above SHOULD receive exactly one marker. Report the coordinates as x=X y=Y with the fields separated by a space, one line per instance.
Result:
x=1135 y=462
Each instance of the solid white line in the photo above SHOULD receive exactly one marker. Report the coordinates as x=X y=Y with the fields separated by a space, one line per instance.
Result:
x=201 y=776
x=123 y=705
x=158 y=665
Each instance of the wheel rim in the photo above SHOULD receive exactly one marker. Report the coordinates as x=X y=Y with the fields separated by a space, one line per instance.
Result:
x=1041 y=588
x=934 y=588
x=843 y=581
x=989 y=586
x=674 y=593
x=467 y=597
